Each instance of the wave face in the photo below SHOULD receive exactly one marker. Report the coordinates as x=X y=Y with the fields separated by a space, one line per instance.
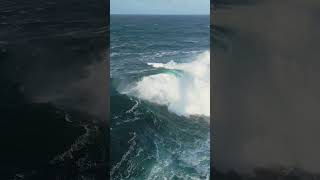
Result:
x=185 y=88
x=159 y=98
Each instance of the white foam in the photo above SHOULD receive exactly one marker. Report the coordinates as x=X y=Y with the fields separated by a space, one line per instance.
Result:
x=186 y=94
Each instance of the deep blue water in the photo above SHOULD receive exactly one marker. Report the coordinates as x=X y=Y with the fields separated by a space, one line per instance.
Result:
x=160 y=97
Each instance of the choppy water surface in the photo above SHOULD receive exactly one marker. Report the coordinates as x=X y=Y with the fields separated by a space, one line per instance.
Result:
x=160 y=98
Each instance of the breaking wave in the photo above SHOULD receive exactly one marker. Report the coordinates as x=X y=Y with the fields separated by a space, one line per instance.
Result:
x=183 y=87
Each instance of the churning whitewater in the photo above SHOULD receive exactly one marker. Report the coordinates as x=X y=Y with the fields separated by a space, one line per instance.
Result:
x=185 y=89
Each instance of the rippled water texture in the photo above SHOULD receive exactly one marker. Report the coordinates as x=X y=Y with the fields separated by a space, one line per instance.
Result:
x=160 y=97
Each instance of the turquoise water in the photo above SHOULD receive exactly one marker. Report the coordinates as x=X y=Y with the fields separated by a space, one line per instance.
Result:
x=160 y=97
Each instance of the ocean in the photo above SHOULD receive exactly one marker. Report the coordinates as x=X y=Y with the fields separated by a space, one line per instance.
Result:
x=160 y=96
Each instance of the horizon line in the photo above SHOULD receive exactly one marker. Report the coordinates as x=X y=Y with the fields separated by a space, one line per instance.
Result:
x=156 y=14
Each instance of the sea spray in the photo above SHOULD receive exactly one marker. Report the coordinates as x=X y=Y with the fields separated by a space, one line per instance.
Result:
x=185 y=94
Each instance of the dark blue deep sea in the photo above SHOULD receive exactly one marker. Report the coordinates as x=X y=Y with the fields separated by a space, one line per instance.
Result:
x=160 y=97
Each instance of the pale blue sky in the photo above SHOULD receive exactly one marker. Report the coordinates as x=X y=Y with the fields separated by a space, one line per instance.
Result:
x=160 y=6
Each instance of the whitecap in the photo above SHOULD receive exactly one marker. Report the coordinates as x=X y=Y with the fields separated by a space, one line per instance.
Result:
x=185 y=94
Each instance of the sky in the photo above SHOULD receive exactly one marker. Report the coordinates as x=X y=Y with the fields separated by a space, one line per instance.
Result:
x=160 y=6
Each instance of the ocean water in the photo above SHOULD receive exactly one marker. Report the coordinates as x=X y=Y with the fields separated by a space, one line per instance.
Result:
x=160 y=97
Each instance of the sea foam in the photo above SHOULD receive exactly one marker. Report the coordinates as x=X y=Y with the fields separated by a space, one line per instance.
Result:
x=185 y=94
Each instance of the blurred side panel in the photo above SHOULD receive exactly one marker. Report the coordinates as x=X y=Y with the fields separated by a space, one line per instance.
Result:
x=265 y=89
x=54 y=58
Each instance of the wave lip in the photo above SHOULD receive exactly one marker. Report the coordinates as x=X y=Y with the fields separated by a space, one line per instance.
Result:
x=184 y=88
